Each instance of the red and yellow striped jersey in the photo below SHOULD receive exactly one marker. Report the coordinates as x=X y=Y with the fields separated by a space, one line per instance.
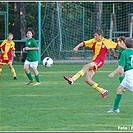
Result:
x=7 y=47
x=100 y=48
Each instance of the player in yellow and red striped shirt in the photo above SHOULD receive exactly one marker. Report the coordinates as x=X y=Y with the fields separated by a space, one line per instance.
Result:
x=7 y=49
x=100 y=46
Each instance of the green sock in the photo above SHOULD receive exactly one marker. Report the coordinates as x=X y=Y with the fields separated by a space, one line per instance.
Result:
x=117 y=101
x=37 y=77
x=29 y=76
x=121 y=78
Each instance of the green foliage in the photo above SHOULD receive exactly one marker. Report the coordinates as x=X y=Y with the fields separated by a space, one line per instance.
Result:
x=57 y=106
x=32 y=11
x=3 y=8
x=73 y=23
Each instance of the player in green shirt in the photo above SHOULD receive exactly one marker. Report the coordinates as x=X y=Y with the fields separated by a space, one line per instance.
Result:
x=119 y=39
x=32 y=57
x=121 y=73
x=126 y=62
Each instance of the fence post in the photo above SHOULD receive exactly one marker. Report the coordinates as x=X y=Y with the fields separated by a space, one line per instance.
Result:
x=39 y=29
x=7 y=18
x=131 y=25
x=59 y=24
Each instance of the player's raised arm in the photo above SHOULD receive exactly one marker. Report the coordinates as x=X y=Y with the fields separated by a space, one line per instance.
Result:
x=78 y=46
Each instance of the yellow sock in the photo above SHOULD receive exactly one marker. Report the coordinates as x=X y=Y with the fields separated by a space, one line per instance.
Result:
x=98 y=88
x=13 y=72
x=78 y=75
x=0 y=71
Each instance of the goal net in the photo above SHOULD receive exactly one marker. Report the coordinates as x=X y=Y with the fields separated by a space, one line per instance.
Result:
x=66 y=24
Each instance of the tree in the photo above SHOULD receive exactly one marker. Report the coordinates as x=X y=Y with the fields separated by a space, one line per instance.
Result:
x=22 y=19
x=98 y=17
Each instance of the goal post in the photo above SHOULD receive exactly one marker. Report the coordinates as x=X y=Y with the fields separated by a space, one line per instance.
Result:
x=39 y=29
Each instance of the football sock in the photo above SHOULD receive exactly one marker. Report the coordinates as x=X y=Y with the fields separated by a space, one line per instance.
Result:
x=13 y=72
x=0 y=71
x=78 y=75
x=117 y=101
x=37 y=77
x=121 y=78
x=98 y=88
x=29 y=76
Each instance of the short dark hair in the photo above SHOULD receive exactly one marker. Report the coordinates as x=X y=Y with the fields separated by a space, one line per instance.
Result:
x=31 y=30
x=10 y=34
x=98 y=31
x=129 y=42
x=122 y=38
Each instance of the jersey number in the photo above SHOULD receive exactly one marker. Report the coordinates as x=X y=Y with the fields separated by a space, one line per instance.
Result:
x=131 y=60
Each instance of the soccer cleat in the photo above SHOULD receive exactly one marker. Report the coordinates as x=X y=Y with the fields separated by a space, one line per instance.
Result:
x=104 y=94
x=113 y=111
x=15 y=78
x=37 y=83
x=30 y=82
x=69 y=79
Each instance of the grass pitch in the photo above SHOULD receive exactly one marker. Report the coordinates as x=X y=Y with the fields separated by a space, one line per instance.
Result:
x=57 y=106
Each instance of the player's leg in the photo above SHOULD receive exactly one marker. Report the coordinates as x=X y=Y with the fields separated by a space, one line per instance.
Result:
x=121 y=77
x=118 y=97
x=79 y=74
x=37 y=76
x=94 y=85
x=12 y=71
x=27 y=72
x=1 y=69
x=126 y=83
x=2 y=62
x=34 y=66
x=117 y=100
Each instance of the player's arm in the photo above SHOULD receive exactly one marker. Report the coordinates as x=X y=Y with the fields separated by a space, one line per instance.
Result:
x=2 y=51
x=88 y=43
x=111 y=75
x=78 y=46
x=13 y=49
x=115 y=54
x=35 y=46
x=27 y=48
x=13 y=53
x=122 y=63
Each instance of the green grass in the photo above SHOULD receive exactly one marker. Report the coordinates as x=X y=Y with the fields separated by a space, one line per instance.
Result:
x=57 y=106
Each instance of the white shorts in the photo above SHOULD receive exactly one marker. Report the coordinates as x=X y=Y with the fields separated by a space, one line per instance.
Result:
x=128 y=80
x=32 y=64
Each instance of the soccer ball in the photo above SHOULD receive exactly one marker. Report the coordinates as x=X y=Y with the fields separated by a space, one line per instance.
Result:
x=47 y=62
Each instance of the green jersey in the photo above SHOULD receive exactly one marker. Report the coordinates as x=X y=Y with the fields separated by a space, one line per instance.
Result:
x=126 y=59
x=119 y=52
x=32 y=55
